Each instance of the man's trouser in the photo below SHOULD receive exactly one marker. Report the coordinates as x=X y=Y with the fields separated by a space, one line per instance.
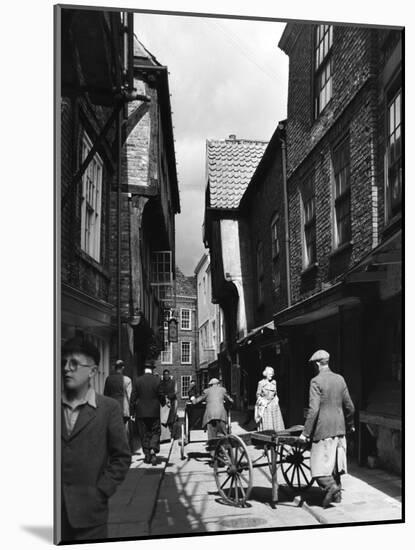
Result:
x=215 y=428
x=69 y=533
x=149 y=430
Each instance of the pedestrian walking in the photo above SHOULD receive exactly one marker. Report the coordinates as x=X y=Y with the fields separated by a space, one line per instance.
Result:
x=95 y=453
x=168 y=411
x=146 y=398
x=215 y=415
x=329 y=418
x=267 y=410
x=118 y=386
x=192 y=391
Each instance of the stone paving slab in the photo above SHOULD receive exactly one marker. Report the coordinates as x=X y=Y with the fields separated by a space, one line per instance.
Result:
x=188 y=501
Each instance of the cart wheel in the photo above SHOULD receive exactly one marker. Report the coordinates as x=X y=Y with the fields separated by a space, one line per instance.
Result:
x=186 y=426
x=295 y=466
x=182 y=443
x=233 y=470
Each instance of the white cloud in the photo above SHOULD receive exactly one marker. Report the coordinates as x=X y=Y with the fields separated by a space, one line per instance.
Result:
x=226 y=77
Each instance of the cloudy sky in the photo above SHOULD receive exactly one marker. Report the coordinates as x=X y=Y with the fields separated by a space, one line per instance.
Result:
x=226 y=77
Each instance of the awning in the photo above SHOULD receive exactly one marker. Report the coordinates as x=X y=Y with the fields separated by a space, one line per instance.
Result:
x=348 y=291
x=321 y=305
x=268 y=329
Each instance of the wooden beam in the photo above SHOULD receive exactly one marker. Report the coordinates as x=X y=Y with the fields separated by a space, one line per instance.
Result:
x=143 y=190
x=389 y=257
x=366 y=277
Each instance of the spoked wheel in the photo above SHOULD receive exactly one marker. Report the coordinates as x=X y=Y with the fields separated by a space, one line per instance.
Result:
x=295 y=466
x=233 y=470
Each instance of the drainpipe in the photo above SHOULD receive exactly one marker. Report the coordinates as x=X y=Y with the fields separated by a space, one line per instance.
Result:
x=286 y=227
x=119 y=122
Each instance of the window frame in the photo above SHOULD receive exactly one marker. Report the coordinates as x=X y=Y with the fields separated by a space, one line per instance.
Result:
x=275 y=237
x=183 y=377
x=308 y=223
x=341 y=177
x=167 y=345
x=189 y=362
x=393 y=209
x=181 y=318
x=323 y=67
x=260 y=272
x=91 y=240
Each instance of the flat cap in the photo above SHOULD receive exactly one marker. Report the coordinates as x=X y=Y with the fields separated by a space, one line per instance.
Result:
x=320 y=355
x=213 y=381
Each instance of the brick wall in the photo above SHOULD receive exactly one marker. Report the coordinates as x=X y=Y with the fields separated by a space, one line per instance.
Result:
x=185 y=298
x=265 y=202
x=352 y=111
x=78 y=269
x=352 y=62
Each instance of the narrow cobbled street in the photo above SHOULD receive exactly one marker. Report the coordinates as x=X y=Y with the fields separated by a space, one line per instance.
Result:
x=180 y=496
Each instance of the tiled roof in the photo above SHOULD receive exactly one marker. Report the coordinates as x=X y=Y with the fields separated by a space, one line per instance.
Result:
x=231 y=164
x=140 y=51
x=185 y=285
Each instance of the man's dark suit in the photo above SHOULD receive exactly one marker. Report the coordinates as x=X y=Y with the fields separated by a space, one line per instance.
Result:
x=114 y=387
x=95 y=460
x=145 y=405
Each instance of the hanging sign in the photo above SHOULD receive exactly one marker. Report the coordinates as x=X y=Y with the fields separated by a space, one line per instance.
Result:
x=172 y=331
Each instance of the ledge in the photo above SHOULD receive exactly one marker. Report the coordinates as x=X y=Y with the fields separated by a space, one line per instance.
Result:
x=392 y=225
x=345 y=247
x=309 y=269
x=93 y=263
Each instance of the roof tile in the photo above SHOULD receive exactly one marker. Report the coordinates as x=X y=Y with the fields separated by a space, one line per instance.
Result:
x=231 y=164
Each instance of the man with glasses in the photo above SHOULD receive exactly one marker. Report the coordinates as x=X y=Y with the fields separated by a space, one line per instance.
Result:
x=95 y=455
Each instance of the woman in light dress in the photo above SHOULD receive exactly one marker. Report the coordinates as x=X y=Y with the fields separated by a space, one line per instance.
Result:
x=267 y=410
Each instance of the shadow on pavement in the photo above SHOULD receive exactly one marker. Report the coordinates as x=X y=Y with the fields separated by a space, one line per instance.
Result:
x=176 y=511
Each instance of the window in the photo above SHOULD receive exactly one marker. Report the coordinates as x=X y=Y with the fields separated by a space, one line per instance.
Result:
x=309 y=224
x=91 y=202
x=186 y=353
x=260 y=272
x=167 y=353
x=394 y=155
x=185 y=386
x=185 y=319
x=275 y=236
x=214 y=334
x=323 y=67
x=204 y=335
x=162 y=275
x=204 y=289
x=275 y=248
x=341 y=167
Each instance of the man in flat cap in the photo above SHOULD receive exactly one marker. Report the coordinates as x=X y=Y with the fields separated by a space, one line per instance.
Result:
x=215 y=414
x=329 y=418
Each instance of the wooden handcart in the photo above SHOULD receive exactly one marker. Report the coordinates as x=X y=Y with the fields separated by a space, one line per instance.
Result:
x=233 y=466
x=193 y=417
